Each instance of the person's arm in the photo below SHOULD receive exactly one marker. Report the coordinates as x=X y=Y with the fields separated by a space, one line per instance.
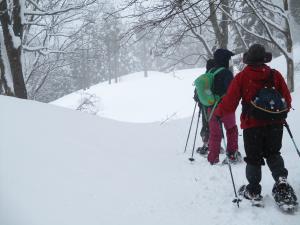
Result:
x=232 y=98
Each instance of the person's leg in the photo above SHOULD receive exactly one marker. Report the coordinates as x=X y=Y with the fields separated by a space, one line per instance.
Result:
x=204 y=133
x=273 y=145
x=282 y=191
x=214 y=142
x=253 y=143
x=231 y=132
x=205 y=126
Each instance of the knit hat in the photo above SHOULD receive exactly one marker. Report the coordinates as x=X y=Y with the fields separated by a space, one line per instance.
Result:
x=257 y=55
x=222 y=56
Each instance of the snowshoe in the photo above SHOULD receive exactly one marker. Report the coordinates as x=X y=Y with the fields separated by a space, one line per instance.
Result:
x=285 y=196
x=202 y=150
x=255 y=199
x=234 y=158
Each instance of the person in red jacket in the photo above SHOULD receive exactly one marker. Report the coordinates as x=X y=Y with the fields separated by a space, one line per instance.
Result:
x=262 y=138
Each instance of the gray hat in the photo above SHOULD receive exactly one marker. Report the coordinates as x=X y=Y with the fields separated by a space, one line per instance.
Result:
x=257 y=55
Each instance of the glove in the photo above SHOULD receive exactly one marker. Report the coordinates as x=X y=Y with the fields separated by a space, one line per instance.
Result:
x=218 y=112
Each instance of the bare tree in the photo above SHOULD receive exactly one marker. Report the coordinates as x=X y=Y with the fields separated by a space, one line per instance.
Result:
x=34 y=28
x=211 y=22
x=12 y=81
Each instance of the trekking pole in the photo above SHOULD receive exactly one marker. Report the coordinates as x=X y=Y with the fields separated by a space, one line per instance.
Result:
x=236 y=199
x=187 y=140
x=291 y=135
x=192 y=157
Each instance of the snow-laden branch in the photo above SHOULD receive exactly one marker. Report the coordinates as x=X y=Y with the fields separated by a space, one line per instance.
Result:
x=246 y=29
x=59 y=11
x=35 y=5
x=44 y=50
x=267 y=28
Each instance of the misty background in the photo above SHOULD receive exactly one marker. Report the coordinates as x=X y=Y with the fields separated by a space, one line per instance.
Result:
x=72 y=45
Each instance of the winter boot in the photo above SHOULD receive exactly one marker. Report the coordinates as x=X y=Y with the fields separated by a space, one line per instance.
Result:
x=203 y=150
x=256 y=199
x=284 y=195
x=234 y=157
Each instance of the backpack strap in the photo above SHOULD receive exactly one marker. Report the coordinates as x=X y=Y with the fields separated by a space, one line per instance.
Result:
x=270 y=80
x=213 y=77
x=217 y=71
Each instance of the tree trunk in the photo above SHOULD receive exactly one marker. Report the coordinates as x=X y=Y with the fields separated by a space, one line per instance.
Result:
x=290 y=74
x=289 y=47
x=220 y=29
x=224 y=24
x=12 y=29
x=4 y=88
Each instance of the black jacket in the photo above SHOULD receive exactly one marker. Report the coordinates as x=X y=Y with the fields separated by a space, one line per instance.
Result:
x=222 y=81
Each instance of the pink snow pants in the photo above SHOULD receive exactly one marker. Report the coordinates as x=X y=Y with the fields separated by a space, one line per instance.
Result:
x=215 y=136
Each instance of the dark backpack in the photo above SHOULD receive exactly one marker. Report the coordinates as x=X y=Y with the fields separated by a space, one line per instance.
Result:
x=268 y=103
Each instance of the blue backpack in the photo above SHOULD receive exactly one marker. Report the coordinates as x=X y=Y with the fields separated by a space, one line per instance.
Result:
x=268 y=103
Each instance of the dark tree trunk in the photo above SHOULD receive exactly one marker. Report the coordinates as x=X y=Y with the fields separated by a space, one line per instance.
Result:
x=290 y=74
x=13 y=52
x=4 y=88
x=220 y=29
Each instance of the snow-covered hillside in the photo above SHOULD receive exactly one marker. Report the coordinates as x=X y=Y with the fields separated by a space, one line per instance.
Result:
x=160 y=97
x=139 y=99
x=64 y=167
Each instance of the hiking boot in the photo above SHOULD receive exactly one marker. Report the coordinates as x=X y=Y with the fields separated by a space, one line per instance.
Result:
x=202 y=150
x=283 y=193
x=234 y=157
x=256 y=199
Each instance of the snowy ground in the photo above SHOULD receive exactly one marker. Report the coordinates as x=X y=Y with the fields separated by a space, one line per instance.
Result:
x=63 y=167
x=136 y=99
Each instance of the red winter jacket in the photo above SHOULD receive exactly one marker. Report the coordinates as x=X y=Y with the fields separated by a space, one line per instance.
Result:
x=245 y=86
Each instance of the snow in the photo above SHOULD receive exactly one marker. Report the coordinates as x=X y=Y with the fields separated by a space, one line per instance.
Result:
x=159 y=97
x=64 y=167
x=15 y=39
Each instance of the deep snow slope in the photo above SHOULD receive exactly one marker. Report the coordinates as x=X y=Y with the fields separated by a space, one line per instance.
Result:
x=62 y=167
x=159 y=97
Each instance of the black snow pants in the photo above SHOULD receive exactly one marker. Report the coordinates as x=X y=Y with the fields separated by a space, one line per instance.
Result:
x=263 y=143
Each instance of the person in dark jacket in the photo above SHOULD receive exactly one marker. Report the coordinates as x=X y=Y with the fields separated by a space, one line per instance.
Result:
x=262 y=138
x=205 y=128
x=220 y=86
